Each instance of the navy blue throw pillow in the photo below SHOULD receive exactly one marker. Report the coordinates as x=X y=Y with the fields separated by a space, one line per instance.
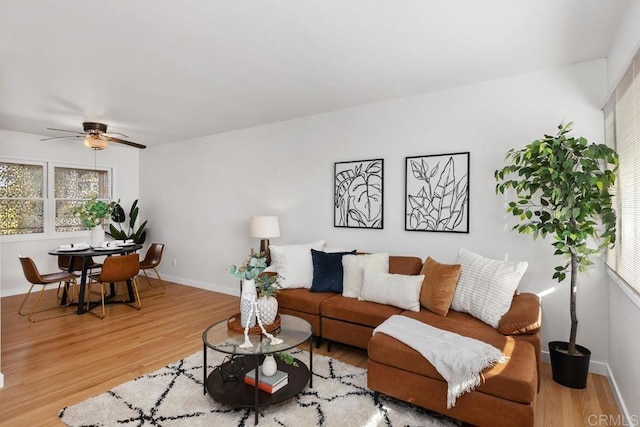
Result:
x=327 y=271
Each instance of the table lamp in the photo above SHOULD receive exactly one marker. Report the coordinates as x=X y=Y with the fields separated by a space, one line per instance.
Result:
x=264 y=228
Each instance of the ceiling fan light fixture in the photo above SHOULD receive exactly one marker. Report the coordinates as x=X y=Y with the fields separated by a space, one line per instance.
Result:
x=95 y=143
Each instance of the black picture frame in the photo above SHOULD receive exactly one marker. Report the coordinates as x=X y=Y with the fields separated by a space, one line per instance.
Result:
x=358 y=194
x=437 y=193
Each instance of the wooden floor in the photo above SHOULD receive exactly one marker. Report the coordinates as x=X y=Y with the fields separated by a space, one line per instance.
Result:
x=59 y=362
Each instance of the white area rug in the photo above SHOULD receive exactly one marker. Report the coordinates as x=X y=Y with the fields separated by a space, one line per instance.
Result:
x=173 y=396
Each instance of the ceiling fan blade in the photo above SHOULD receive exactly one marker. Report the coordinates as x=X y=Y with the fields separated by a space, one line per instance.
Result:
x=110 y=134
x=66 y=130
x=63 y=137
x=122 y=141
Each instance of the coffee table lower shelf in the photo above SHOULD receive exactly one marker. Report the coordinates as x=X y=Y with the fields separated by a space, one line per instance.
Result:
x=238 y=394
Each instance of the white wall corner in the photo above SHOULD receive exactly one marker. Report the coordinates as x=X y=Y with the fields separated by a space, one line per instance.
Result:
x=1 y=380
x=618 y=396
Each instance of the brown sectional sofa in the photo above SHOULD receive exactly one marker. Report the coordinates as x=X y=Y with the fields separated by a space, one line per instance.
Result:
x=506 y=397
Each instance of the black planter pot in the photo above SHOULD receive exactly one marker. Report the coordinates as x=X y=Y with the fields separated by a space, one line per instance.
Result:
x=569 y=370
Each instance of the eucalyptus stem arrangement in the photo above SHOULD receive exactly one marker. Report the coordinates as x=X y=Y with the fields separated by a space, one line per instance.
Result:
x=252 y=268
x=94 y=211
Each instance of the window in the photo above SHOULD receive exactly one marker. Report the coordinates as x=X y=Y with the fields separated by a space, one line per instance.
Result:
x=622 y=131
x=22 y=197
x=39 y=198
x=72 y=188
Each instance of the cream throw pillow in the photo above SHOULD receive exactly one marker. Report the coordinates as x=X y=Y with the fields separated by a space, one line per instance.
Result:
x=294 y=263
x=352 y=266
x=485 y=288
x=393 y=289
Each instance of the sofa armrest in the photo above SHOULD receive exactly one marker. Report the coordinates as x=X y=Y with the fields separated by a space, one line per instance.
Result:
x=524 y=317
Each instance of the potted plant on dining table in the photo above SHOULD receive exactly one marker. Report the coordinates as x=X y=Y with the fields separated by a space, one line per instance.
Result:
x=92 y=213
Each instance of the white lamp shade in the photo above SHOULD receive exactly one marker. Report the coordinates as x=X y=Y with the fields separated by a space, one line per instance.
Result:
x=264 y=227
x=95 y=143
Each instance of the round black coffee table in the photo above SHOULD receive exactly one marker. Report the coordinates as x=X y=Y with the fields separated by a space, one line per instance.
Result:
x=231 y=390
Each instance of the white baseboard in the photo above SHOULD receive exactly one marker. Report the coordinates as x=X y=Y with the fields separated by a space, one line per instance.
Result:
x=202 y=285
x=618 y=396
x=601 y=368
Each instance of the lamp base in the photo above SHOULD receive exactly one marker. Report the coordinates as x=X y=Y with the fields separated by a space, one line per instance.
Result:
x=264 y=247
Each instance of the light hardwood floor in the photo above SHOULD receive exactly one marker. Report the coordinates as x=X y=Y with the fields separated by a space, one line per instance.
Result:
x=59 y=362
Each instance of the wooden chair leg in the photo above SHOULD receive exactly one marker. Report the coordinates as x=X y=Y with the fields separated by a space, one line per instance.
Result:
x=134 y=283
x=158 y=276
x=159 y=279
x=35 y=305
x=24 y=301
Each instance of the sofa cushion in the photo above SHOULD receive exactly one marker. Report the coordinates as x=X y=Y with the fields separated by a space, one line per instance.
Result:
x=361 y=312
x=439 y=285
x=398 y=290
x=524 y=317
x=486 y=286
x=302 y=300
x=352 y=271
x=294 y=264
x=327 y=271
x=514 y=380
x=409 y=265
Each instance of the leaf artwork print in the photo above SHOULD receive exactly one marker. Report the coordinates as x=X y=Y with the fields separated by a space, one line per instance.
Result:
x=437 y=193
x=358 y=194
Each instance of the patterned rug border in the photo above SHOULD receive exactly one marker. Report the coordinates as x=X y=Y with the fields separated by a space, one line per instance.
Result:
x=173 y=396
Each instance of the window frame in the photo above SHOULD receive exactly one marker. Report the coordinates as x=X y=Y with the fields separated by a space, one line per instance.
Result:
x=625 y=271
x=49 y=200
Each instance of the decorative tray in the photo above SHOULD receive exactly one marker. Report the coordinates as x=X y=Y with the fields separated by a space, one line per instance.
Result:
x=233 y=324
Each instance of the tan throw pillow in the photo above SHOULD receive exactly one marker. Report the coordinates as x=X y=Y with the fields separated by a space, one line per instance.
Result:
x=439 y=285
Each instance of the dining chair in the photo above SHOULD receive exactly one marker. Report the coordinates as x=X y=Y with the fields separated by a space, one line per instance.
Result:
x=151 y=260
x=65 y=260
x=34 y=277
x=119 y=270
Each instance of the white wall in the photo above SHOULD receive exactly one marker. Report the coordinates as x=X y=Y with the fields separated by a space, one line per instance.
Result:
x=201 y=193
x=21 y=145
x=624 y=306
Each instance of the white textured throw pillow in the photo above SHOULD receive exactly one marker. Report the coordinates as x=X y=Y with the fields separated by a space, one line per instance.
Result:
x=393 y=289
x=352 y=266
x=294 y=263
x=486 y=286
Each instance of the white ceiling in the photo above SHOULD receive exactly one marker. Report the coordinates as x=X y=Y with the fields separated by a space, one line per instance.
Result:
x=165 y=70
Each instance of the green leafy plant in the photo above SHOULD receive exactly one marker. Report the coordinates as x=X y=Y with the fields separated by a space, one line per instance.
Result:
x=562 y=185
x=252 y=268
x=118 y=217
x=287 y=358
x=94 y=211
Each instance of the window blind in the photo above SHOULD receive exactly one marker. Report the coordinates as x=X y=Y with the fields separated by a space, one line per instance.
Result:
x=622 y=132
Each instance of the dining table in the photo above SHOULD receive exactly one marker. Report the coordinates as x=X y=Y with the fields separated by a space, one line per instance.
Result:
x=86 y=254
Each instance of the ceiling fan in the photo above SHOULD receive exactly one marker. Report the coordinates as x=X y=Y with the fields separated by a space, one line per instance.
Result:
x=95 y=136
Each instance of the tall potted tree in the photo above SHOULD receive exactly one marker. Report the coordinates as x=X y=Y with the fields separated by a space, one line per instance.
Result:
x=562 y=184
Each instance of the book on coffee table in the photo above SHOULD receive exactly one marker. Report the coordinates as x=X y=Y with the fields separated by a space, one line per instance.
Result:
x=269 y=384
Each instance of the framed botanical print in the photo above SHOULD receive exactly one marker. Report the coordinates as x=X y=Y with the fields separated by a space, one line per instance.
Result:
x=437 y=193
x=358 y=192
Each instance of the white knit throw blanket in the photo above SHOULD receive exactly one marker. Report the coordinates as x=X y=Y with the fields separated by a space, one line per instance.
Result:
x=459 y=360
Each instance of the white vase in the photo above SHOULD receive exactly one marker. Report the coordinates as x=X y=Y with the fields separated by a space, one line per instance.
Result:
x=269 y=366
x=267 y=309
x=248 y=295
x=97 y=236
